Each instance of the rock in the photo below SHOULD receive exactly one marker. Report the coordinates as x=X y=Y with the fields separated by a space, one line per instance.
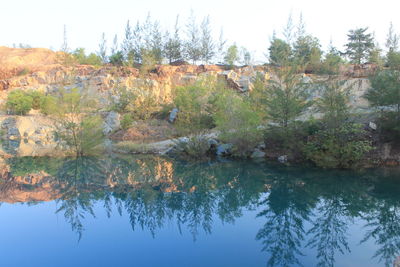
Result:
x=245 y=84
x=261 y=146
x=372 y=126
x=257 y=154
x=282 y=159
x=212 y=142
x=224 y=149
x=111 y=122
x=173 y=115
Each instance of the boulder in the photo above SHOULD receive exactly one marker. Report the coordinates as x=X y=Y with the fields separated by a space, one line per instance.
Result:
x=282 y=159
x=372 y=126
x=257 y=154
x=224 y=149
x=111 y=122
x=173 y=115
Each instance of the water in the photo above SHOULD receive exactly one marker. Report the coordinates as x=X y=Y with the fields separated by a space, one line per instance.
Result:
x=151 y=211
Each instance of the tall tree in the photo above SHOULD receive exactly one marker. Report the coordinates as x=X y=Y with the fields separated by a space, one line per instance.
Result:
x=207 y=43
x=137 y=43
x=127 y=44
x=173 y=44
x=102 y=53
x=279 y=52
x=360 y=43
x=221 y=45
x=193 y=44
x=288 y=30
x=392 y=40
x=64 y=46
x=115 y=46
x=232 y=55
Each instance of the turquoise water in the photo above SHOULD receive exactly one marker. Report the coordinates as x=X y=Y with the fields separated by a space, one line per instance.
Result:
x=152 y=211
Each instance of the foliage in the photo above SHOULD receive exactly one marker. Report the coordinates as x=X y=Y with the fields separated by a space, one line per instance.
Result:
x=196 y=147
x=123 y=101
x=19 y=102
x=238 y=123
x=78 y=125
x=279 y=52
x=173 y=45
x=286 y=97
x=80 y=56
x=148 y=61
x=117 y=59
x=145 y=103
x=342 y=148
x=331 y=63
x=194 y=105
x=232 y=55
x=384 y=93
x=393 y=60
x=193 y=43
x=359 y=45
x=126 y=121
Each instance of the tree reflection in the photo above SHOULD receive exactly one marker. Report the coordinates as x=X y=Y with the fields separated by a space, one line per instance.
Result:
x=154 y=191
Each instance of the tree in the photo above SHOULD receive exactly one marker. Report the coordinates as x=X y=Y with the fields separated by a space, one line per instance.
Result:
x=288 y=30
x=127 y=44
x=331 y=63
x=245 y=56
x=279 y=52
x=221 y=45
x=115 y=46
x=156 y=43
x=231 y=55
x=385 y=94
x=173 y=44
x=19 y=102
x=77 y=123
x=359 y=45
x=193 y=44
x=207 y=43
x=102 y=53
x=137 y=45
x=287 y=96
x=238 y=123
x=392 y=40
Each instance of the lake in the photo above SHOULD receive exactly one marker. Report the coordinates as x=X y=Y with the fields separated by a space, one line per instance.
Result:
x=155 y=211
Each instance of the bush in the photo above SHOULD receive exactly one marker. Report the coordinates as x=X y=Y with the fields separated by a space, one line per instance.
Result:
x=126 y=121
x=196 y=147
x=342 y=149
x=238 y=123
x=48 y=104
x=19 y=102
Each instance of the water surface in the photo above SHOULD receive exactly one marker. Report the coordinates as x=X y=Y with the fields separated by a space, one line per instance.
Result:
x=152 y=211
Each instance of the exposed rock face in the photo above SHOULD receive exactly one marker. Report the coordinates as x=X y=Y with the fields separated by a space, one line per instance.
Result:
x=111 y=122
x=31 y=135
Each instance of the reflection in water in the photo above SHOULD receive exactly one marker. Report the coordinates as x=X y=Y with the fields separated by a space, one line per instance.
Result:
x=299 y=209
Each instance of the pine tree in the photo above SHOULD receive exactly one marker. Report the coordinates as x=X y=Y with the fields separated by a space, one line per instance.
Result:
x=102 y=53
x=127 y=44
x=156 y=46
x=231 y=55
x=114 y=48
x=279 y=52
x=137 y=43
x=392 y=40
x=359 y=45
x=173 y=44
x=221 y=45
x=207 y=43
x=193 y=44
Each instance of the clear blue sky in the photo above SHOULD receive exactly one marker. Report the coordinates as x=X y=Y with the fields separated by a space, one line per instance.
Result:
x=249 y=23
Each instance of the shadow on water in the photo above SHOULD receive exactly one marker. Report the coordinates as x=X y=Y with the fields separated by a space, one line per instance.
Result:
x=299 y=208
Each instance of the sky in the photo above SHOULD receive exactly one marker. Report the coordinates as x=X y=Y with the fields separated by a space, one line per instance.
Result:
x=248 y=23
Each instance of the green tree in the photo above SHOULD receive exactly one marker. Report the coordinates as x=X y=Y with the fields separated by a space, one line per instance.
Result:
x=232 y=55
x=207 y=42
x=173 y=44
x=127 y=44
x=359 y=45
x=384 y=93
x=78 y=124
x=193 y=43
x=339 y=143
x=279 y=52
x=238 y=123
x=331 y=62
x=19 y=102
x=102 y=53
x=287 y=96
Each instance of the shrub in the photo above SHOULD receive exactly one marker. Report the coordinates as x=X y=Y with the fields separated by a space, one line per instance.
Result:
x=126 y=121
x=196 y=103
x=19 y=102
x=196 y=147
x=238 y=123
x=343 y=148
x=48 y=104
x=36 y=99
